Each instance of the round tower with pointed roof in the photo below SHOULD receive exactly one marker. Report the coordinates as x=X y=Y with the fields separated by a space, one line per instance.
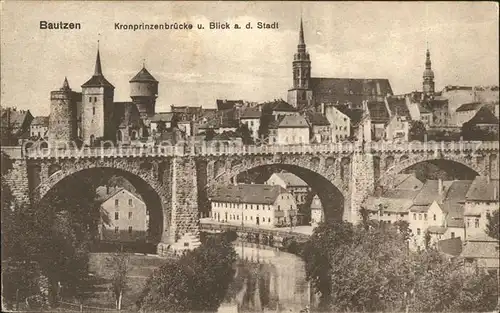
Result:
x=144 y=91
x=62 y=119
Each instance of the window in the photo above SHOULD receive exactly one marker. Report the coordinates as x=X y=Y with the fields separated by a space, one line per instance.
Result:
x=418 y=231
x=476 y=223
x=258 y=207
x=278 y=207
x=402 y=215
x=95 y=99
x=130 y=229
x=468 y=223
x=93 y=110
x=116 y=202
x=129 y=202
x=434 y=217
x=117 y=215
x=116 y=229
x=129 y=215
x=90 y=99
x=425 y=216
x=420 y=216
x=415 y=216
x=269 y=220
x=452 y=235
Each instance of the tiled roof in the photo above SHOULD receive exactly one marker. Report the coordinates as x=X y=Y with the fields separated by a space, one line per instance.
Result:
x=451 y=246
x=453 y=203
x=220 y=119
x=419 y=208
x=248 y=193
x=343 y=90
x=480 y=249
x=162 y=117
x=293 y=121
x=143 y=76
x=103 y=195
x=389 y=204
x=227 y=104
x=186 y=109
x=430 y=193
x=16 y=120
x=291 y=180
x=469 y=107
x=250 y=113
x=126 y=114
x=355 y=115
x=484 y=116
x=406 y=181
x=97 y=81
x=378 y=112
x=436 y=229
x=401 y=194
x=398 y=107
x=317 y=119
x=40 y=121
x=278 y=105
x=483 y=189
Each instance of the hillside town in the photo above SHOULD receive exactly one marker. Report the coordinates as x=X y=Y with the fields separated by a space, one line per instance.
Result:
x=449 y=210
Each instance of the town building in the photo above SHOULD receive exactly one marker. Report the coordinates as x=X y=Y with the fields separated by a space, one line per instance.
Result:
x=14 y=126
x=465 y=112
x=482 y=252
x=161 y=120
x=310 y=91
x=340 y=122
x=379 y=116
x=481 y=199
x=39 y=127
x=319 y=127
x=317 y=215
x=127 y=215
x=289 y=130
x=253 y=204
x=484 y=119
x=251 y=118
x=292 y=183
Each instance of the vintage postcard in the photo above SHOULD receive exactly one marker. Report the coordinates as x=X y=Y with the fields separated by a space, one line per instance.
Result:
x=212 y=156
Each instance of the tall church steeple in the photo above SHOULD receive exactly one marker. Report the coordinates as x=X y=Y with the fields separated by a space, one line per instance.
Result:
x=300 y=93
x=428 y=76
x=98 y=68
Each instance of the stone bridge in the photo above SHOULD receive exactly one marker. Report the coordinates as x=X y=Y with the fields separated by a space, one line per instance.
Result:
x=175 y=181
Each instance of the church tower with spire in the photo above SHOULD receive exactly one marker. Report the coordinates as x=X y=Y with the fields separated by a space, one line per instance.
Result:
x=62 y=119
x=428 y=82
x=300 y=94
x=97 y=107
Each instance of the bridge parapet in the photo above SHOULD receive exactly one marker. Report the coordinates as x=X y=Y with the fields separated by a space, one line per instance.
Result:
x=181 y=150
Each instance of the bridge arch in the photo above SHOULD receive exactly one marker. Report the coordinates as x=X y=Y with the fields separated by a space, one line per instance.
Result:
x=152 y=191
x=331 y=189
x=476 y=164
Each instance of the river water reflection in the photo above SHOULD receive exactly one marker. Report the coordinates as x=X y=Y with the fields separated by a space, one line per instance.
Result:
x=267 y=280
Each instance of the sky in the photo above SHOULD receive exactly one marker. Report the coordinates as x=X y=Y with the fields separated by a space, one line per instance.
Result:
x=196 y=67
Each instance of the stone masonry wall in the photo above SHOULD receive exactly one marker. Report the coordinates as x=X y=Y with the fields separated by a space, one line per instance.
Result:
x=362 y=182
x=184 y=197
x=17 y=180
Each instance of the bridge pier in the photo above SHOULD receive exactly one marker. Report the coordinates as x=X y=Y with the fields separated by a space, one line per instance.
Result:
x=361 y=184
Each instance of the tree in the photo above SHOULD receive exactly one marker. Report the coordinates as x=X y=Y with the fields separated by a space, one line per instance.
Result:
x=417 y=131
x=492 y=227
x=210 y=134
x=246 y=135
x=198 y=281
x=119 y=264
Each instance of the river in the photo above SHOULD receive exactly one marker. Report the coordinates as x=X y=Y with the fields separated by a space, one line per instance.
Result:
x=267 y=280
